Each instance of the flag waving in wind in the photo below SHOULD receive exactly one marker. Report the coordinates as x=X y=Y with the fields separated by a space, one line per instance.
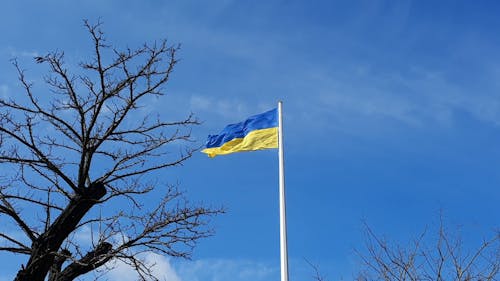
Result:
x=261 y=131
x=256 y=133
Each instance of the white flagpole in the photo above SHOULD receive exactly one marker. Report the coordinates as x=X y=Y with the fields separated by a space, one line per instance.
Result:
x=283 y=244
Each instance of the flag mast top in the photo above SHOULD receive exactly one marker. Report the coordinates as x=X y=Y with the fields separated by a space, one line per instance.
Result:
x=283 y=242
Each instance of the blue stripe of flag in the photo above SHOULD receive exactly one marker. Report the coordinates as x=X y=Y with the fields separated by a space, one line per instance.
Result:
x=264 y=120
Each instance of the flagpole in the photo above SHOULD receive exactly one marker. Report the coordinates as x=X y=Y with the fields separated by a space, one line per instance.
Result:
x=283 y=243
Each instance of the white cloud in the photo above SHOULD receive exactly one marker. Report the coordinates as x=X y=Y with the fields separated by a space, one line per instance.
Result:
x=160 y=266
x=371 y=105
x=200 y=270
x=441 y=99
x=4 y=91
x=227 y=270
x=361 y=97
x=166 y=269
x=222 y=107
x=83 y=236
x=21 y=53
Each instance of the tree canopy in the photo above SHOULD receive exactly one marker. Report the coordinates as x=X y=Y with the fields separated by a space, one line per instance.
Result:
x=78 y=151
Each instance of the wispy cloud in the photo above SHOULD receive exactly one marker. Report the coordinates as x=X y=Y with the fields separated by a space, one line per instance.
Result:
x=83 y=236
x=6 y=278
x=228 y=109
x=166 y=269
x=159 y=265
x=227 y=270
x=4 y=91
x=222 y=107
x=363 y=96
x=343 y=91
x=15 y=53
x=25 y=53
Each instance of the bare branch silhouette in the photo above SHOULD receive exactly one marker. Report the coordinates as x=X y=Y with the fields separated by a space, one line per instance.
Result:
x=447 y=259
x=81 y=158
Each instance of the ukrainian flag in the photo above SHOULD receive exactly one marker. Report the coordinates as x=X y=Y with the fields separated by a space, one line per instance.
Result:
x=256 y=133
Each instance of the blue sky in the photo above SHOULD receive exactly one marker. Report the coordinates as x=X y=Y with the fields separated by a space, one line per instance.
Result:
x=391 y=108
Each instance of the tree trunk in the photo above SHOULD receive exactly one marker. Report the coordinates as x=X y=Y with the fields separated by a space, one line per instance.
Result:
x=46 y=246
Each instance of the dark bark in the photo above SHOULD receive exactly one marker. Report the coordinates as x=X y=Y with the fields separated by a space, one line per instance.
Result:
x=55 y=269
x=52 y=143
x=89 y=262
x=46 y=246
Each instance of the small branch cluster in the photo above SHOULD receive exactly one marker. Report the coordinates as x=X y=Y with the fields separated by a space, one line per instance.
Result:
x=447 y=259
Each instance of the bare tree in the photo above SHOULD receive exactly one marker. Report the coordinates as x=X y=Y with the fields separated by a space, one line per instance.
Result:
x=81 y=159
x=448 y=258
